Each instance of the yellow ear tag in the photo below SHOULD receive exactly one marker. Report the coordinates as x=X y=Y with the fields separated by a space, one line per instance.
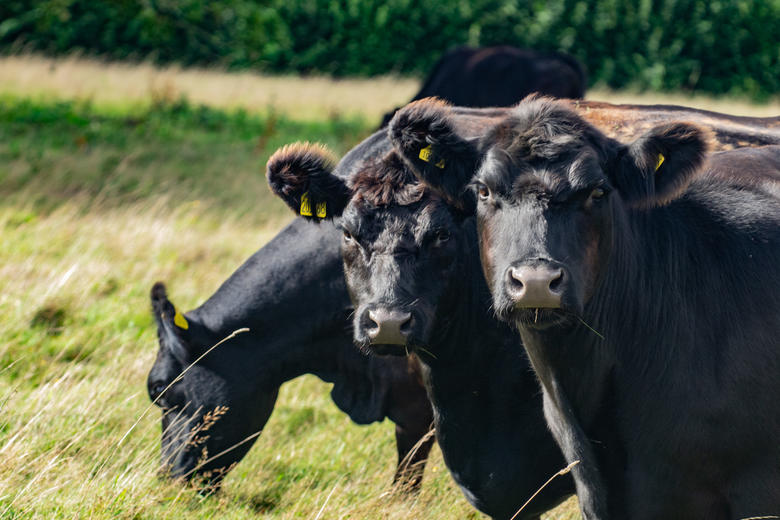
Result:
x=180 y=321
x=426 y=154
x=661 y=159
x=321 y=208
x=306 y=205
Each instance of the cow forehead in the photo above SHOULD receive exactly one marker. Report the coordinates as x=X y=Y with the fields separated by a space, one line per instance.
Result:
x=391 y=225
x=572 y=170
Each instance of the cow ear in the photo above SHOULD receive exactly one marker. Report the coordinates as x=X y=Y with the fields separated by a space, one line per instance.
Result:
x=172 y=327
x=301 y=174
x=424 y=135
x=658 y=167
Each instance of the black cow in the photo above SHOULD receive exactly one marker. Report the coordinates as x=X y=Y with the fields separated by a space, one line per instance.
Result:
x=500 y=77
x=646 y=292
x=291 y=296
x=412 y=271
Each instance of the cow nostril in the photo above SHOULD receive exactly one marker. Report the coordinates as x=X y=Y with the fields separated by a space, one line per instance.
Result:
x=406 y=325
x=557 y=281
x=371 y=325
x=515 y=280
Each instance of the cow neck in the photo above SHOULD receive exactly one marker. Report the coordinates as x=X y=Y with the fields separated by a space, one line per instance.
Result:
x=487 y=406
x=464 y=321
x=467 y=338
x=291 y=295
x=666 y=278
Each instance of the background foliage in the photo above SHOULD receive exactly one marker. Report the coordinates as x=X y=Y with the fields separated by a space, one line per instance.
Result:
x=714 y=46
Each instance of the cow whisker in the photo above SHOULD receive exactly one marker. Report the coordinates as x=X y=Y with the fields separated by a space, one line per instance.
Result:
x=594 y=331
x=421 y=349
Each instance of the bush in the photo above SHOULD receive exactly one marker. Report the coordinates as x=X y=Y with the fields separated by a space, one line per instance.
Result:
x=714 y=46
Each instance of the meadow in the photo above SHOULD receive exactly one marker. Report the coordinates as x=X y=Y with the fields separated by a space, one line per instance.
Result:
x=115 y=176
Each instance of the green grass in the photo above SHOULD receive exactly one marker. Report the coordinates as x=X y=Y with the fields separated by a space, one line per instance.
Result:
x=53 y=151
x=95 y=205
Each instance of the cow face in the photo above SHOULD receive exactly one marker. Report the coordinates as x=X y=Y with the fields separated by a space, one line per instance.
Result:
x=400 y=250
x=211 y=411
x=551 y=191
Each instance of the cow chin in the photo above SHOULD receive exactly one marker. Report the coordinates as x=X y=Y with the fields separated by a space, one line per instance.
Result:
x=539 y=319
x=388 y=350
x=206 y=479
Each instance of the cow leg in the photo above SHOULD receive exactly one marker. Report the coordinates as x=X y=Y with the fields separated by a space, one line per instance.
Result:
x=413 y=446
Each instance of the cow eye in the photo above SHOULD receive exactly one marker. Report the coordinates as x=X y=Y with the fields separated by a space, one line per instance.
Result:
x=597 y=193
x=442 y=235
x=156 y=389
x=347 y=235
x=483 y=192
x=595 y=196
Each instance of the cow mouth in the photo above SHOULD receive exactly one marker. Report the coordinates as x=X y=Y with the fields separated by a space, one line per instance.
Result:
x=388 y=349
x=539 y=318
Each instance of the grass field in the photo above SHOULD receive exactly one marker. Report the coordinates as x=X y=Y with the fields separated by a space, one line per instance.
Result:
x=109 y=182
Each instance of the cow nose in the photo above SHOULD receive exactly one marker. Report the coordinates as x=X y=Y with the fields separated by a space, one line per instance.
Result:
x=535 y=286
x=388 y=326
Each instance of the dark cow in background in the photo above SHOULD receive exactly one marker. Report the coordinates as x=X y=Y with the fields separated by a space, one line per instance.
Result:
x=500 y=77
x=291 y=296
x=412 y=271
x=646 y=290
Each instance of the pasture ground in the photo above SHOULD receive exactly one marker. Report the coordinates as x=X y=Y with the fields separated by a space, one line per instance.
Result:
x=113 y=177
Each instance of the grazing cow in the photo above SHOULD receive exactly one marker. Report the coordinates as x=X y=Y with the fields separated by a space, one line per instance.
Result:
x=500 y=77
x=646 y=292
x=412 y=271
x=291 y=296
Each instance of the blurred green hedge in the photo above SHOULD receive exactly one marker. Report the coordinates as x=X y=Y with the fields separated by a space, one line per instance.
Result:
x=715 y=46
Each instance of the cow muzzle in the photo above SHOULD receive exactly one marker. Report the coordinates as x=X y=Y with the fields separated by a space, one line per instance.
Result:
x=385 y=326
x=535 y=286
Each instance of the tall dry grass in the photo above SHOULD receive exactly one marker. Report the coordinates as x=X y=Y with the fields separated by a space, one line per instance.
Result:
x=309 y=98
x=71 y=395
x=115 y=83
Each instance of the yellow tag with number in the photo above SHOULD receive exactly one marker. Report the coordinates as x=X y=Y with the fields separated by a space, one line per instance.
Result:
x=180 y=321
x=306 y=205
x=321 y=208
x=426 y=154
x=661 y=159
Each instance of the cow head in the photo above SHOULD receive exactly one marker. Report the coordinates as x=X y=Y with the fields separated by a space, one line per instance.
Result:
x=400 y=247
x=211 y=410
x=550 y=193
